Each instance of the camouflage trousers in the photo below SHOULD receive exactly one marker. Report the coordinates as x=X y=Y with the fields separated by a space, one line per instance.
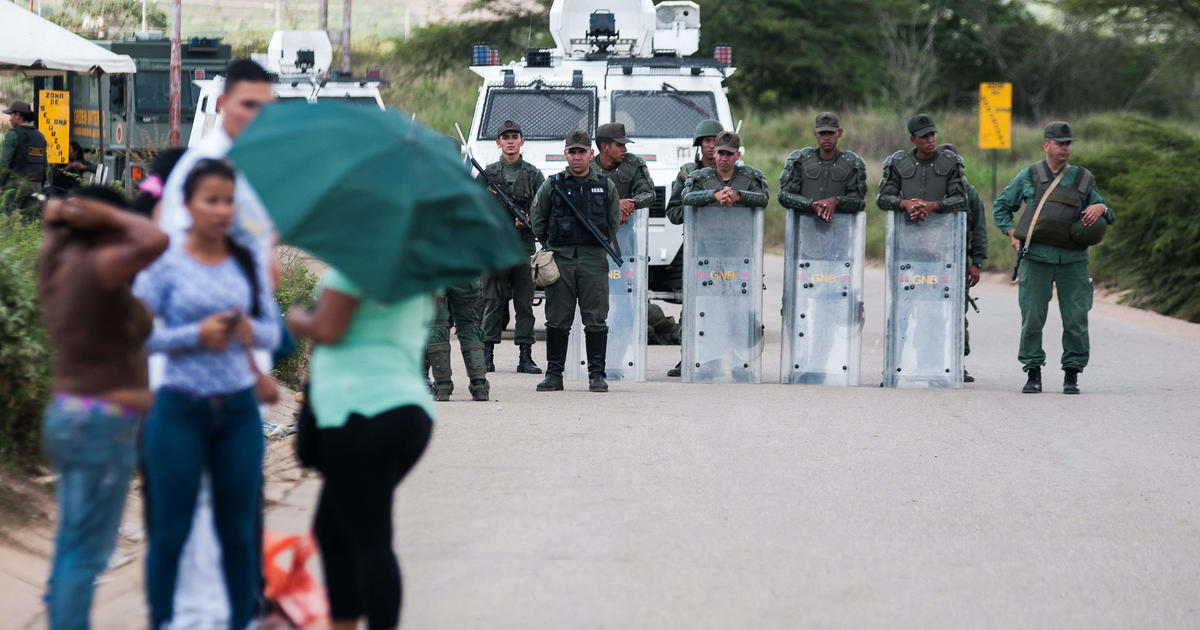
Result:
x=457 y=306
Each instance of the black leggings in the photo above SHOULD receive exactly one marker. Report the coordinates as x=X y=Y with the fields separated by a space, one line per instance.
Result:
x=362 y=463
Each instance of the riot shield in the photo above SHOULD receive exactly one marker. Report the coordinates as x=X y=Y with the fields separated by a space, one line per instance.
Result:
x=722 y=333
x=823 y=299
x=627 y=285
x=925 y=291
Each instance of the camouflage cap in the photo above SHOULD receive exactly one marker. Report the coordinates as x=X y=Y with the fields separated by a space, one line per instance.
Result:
x=921 y=124
x=506 y=126
x=612 y=132
x=1058 y=130
x=579 y=140
x=20 y=107
x=827 y=121
x=728 y=141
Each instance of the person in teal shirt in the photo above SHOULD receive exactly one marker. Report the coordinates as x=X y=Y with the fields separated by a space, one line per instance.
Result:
x=1051 y=258
x=374 y=417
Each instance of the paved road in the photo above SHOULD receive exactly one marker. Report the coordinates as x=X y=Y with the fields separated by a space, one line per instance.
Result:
x=669 y=505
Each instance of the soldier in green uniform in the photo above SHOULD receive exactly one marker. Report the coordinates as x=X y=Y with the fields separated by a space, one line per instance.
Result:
x=727 y=183
x=1072 y=210
x=977 y=242
x=582 y=262
x=923 y=180
x=457 y=305
x=521 y=181
x=625 y=169
x=22 y=156
x=704 y=138
x=824 y=180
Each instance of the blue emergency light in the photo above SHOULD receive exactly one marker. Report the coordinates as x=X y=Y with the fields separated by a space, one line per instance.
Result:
x=481 y=55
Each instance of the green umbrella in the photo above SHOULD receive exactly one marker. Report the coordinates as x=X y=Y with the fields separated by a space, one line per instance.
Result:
x=385 y=200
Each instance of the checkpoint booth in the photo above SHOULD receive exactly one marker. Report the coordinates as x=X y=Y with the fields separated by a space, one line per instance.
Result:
x=924 y=297
x=37 y=47
x=821 y=339
x=722 y=334
x=627 y=300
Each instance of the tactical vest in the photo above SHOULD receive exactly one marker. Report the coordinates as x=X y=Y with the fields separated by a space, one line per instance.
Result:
x=519 y=193
x=819 y=179
x=920 y=180
x=1062 y=208
x=591 y=199
x=622 y=174
x=29 y=160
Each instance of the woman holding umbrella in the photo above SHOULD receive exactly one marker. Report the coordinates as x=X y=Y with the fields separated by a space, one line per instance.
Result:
x=374 y=418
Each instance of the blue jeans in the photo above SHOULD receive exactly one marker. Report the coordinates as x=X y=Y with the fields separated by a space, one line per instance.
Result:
x=184 y=435
x=92 y=448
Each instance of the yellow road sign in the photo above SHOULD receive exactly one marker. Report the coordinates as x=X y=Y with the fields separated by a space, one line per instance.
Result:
x=995 y=115
x=54 y=121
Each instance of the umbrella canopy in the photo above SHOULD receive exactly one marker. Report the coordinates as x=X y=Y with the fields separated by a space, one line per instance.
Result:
x=35 y=45
x=385 y=200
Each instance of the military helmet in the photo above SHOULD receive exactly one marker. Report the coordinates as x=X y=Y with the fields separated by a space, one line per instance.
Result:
x=706 y=129
x=1088 y=235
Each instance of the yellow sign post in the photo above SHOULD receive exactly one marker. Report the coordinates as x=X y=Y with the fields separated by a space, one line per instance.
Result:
x=995 y=115
x=54 y=121
x=995 y=121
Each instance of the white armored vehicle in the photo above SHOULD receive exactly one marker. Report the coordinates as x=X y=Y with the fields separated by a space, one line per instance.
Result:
x=614 y=61
x=300 y=63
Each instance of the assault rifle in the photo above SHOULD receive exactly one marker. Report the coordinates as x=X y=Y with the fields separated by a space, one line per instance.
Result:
x=582 y=219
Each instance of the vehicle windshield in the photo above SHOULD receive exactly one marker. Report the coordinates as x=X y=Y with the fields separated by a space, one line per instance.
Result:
x=544 y=114
x=663 y=113
x=152 y=90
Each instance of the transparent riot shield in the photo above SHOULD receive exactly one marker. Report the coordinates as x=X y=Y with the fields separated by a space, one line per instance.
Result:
x=925 y=291
x=722 y=294
x=626 y=356
x=823 y=299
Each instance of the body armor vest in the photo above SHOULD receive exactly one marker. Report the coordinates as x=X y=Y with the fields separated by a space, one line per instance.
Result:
x=1062 y=208
x=622 y=174
x=519 y=193
x=29 y=160
x=923 y=180
x=820 y=180
x=591 y=199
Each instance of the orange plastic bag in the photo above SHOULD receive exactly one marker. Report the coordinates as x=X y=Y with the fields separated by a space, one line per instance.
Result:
x=290 y=586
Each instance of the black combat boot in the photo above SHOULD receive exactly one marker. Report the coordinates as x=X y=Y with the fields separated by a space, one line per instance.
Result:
x=967 y=378
x=1070 y=381
x=676 y=371
x=597 y=349
x=525 y=364
x=489 y=355
x=556 y=359
x=1034 y=384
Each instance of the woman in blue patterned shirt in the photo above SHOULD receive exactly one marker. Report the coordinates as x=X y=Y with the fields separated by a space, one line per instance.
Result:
x=210 y=304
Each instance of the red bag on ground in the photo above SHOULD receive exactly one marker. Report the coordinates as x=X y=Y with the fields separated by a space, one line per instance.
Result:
x=289 y=584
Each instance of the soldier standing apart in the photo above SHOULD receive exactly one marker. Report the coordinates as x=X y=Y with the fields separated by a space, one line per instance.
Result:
x=823 y=180
x=1070 y=203
x=977 y=243
x=457 y=305
x=521 y=181
x=728 y=183
x=23 y=154
x=582 y=262
x=705 y=139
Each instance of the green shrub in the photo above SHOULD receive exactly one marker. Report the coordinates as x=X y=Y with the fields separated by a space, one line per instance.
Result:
x=1147 y=175
x=297 y=286
x=24 y=351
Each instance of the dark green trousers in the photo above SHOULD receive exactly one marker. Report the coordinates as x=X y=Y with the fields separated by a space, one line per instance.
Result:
x=1038 y=280
x=495 y=303
x=583 y=280
x=459 y=306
